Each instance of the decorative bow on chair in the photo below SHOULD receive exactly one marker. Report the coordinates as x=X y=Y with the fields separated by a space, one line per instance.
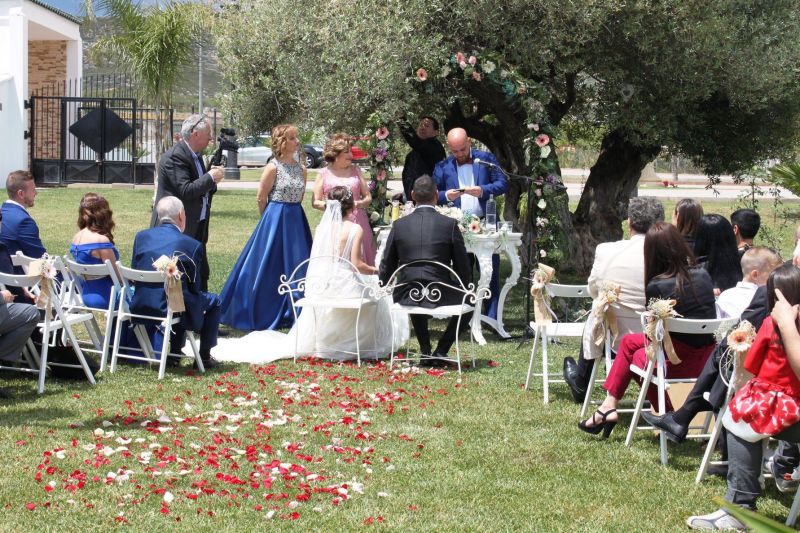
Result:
x=542 y=314
x=172 y=282
x=653 y=323
x=46 y=269
x=604 y=317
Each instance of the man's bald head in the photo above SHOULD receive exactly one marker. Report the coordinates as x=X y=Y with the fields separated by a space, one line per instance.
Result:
x=459 y=144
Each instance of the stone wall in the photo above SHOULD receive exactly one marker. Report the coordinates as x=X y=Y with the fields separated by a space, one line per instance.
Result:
x=47 y=64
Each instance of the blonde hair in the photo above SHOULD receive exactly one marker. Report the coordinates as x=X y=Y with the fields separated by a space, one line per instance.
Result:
x=337 y=144
x=280 y=136
x=760 y=258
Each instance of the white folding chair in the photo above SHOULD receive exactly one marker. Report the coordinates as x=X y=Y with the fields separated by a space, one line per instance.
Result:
x=593 y=375
x=671 y=325
x=546 y=332
x=129 y=277
x=430 y=293
x=320 y=292
x=79 y=274
x=62 y=320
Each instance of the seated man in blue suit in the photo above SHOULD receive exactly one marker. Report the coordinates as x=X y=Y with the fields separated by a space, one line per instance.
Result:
x=19 y=231
x=202 y=308
x=468 y=185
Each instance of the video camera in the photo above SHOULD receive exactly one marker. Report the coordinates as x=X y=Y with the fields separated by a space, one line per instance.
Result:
x=227 y=142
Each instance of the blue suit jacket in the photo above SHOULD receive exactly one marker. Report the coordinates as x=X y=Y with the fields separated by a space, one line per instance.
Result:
x=20 y=232
x=489 y=179
x=148 y=298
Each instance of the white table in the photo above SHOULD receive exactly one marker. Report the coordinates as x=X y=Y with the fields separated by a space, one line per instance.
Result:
x=483 y=246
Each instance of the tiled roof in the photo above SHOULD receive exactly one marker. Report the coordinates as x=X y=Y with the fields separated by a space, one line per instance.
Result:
x=57 y=11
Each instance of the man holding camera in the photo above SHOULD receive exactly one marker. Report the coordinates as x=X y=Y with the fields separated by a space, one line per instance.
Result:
x=182 y=173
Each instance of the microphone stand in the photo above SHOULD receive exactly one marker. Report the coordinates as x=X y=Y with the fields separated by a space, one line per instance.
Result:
x=528 y=332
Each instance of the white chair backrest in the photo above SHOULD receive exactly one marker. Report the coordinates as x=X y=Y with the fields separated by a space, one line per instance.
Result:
x=17 y=280
x=698 y=326
x=143 y=276
x=300 y=282
x=21 y=260
x=431 y=291
x=93 y=271
x=568 y=291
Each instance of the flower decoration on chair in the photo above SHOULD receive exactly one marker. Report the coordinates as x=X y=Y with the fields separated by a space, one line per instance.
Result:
x=173 y=286
x=382 y=157
x=45 y=268
x=542 y=314
x=603 y=312
x=658 y=310
x=490 y=70
x=740 y=339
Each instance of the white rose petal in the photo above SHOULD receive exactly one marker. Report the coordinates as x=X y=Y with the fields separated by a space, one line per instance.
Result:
x=168 y=497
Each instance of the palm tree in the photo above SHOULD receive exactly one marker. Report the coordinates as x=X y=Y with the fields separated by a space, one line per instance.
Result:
x=787 y=175
x=153 y=43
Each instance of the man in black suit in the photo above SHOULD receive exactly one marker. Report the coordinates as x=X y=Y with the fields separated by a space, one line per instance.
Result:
x=182 y=173
x=426 y=151
x=427 y=235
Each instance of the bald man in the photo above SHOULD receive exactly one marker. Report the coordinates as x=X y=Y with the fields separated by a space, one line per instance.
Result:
x=468 y=185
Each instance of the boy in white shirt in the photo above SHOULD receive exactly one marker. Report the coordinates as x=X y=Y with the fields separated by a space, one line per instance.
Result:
x=757 y=263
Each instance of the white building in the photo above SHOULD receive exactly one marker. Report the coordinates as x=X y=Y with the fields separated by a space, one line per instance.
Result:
x=39 y=45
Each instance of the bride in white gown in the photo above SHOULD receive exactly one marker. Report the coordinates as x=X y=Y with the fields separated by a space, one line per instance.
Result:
x=329 y=332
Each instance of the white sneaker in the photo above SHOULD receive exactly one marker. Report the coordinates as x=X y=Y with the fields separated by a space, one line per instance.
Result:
x=716 y=521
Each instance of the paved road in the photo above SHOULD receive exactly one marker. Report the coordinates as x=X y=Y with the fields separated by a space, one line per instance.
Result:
x=690 y=185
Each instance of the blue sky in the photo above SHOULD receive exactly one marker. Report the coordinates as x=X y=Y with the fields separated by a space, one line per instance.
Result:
x=70 y=6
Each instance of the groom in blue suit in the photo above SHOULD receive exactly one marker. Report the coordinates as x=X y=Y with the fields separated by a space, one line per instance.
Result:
x=467 y=184
x=202 y=308
x=19 y=231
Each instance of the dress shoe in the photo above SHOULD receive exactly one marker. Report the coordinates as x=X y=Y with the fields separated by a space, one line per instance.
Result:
x=571 y=377
x=675 y=432
x=209 y=363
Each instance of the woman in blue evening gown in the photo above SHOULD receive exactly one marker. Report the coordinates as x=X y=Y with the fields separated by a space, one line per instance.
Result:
x=92 y=245
x=281 y=241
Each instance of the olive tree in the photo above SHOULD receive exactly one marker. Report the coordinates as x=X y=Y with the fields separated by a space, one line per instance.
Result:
x=716 y=80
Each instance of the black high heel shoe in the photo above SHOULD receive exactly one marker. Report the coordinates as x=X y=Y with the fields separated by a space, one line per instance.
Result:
x=606 y=426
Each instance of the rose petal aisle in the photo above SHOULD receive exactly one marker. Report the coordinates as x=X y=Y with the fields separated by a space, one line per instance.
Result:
x=283 y=442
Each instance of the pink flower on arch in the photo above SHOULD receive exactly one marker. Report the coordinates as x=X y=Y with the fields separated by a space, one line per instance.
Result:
x=382 y=132
x=542 y=140
x=459 y=58
x=381 y=175
x=462 y=64
x=472 y=60
x=422 y=74
x=476 y=76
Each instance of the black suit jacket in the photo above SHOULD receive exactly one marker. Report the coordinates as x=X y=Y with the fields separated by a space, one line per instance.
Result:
x=425 y=234
x=422 y=158
x=693 y=300
x=177 y=176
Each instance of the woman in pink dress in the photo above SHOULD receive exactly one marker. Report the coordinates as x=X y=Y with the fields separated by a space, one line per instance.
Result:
x=342 y=172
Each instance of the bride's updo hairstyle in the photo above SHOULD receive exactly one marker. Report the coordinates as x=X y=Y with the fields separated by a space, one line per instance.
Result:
x=280 y=135
x=345 y=197
x=95 y=214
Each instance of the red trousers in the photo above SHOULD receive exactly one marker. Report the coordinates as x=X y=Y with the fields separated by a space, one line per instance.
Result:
x=631 y=351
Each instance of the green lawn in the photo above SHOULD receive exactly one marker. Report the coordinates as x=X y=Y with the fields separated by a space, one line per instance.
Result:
x=340 y=446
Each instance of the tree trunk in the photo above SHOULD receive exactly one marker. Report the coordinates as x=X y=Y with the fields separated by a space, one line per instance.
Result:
x=604 y=202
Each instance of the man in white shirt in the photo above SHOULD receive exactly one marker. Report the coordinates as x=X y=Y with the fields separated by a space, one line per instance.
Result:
x=620 y=262
x=757 y=264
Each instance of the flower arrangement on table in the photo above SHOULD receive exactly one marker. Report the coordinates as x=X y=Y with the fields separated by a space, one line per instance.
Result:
x=382 y=156
x=462 y=69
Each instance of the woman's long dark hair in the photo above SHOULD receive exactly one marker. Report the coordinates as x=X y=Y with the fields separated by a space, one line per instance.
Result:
x=716 y=244
x=95 y=214
x=786 y=278
x=688 y=211
x=666 y=255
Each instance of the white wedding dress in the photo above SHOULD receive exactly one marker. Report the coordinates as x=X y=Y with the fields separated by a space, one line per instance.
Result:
x=327 y=332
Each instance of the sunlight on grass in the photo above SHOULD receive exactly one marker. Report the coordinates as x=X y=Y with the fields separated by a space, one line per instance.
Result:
x=334 y=447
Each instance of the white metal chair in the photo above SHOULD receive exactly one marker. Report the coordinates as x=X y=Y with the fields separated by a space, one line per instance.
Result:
x=546 y=332
x=61 y=321
x=659 y=367
x=430 y=293
x=314 y=292
x=593 y=375
x=129 y=277
x=79 y=274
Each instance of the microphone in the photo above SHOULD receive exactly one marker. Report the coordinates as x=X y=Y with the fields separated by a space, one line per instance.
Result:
x=479 y=161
